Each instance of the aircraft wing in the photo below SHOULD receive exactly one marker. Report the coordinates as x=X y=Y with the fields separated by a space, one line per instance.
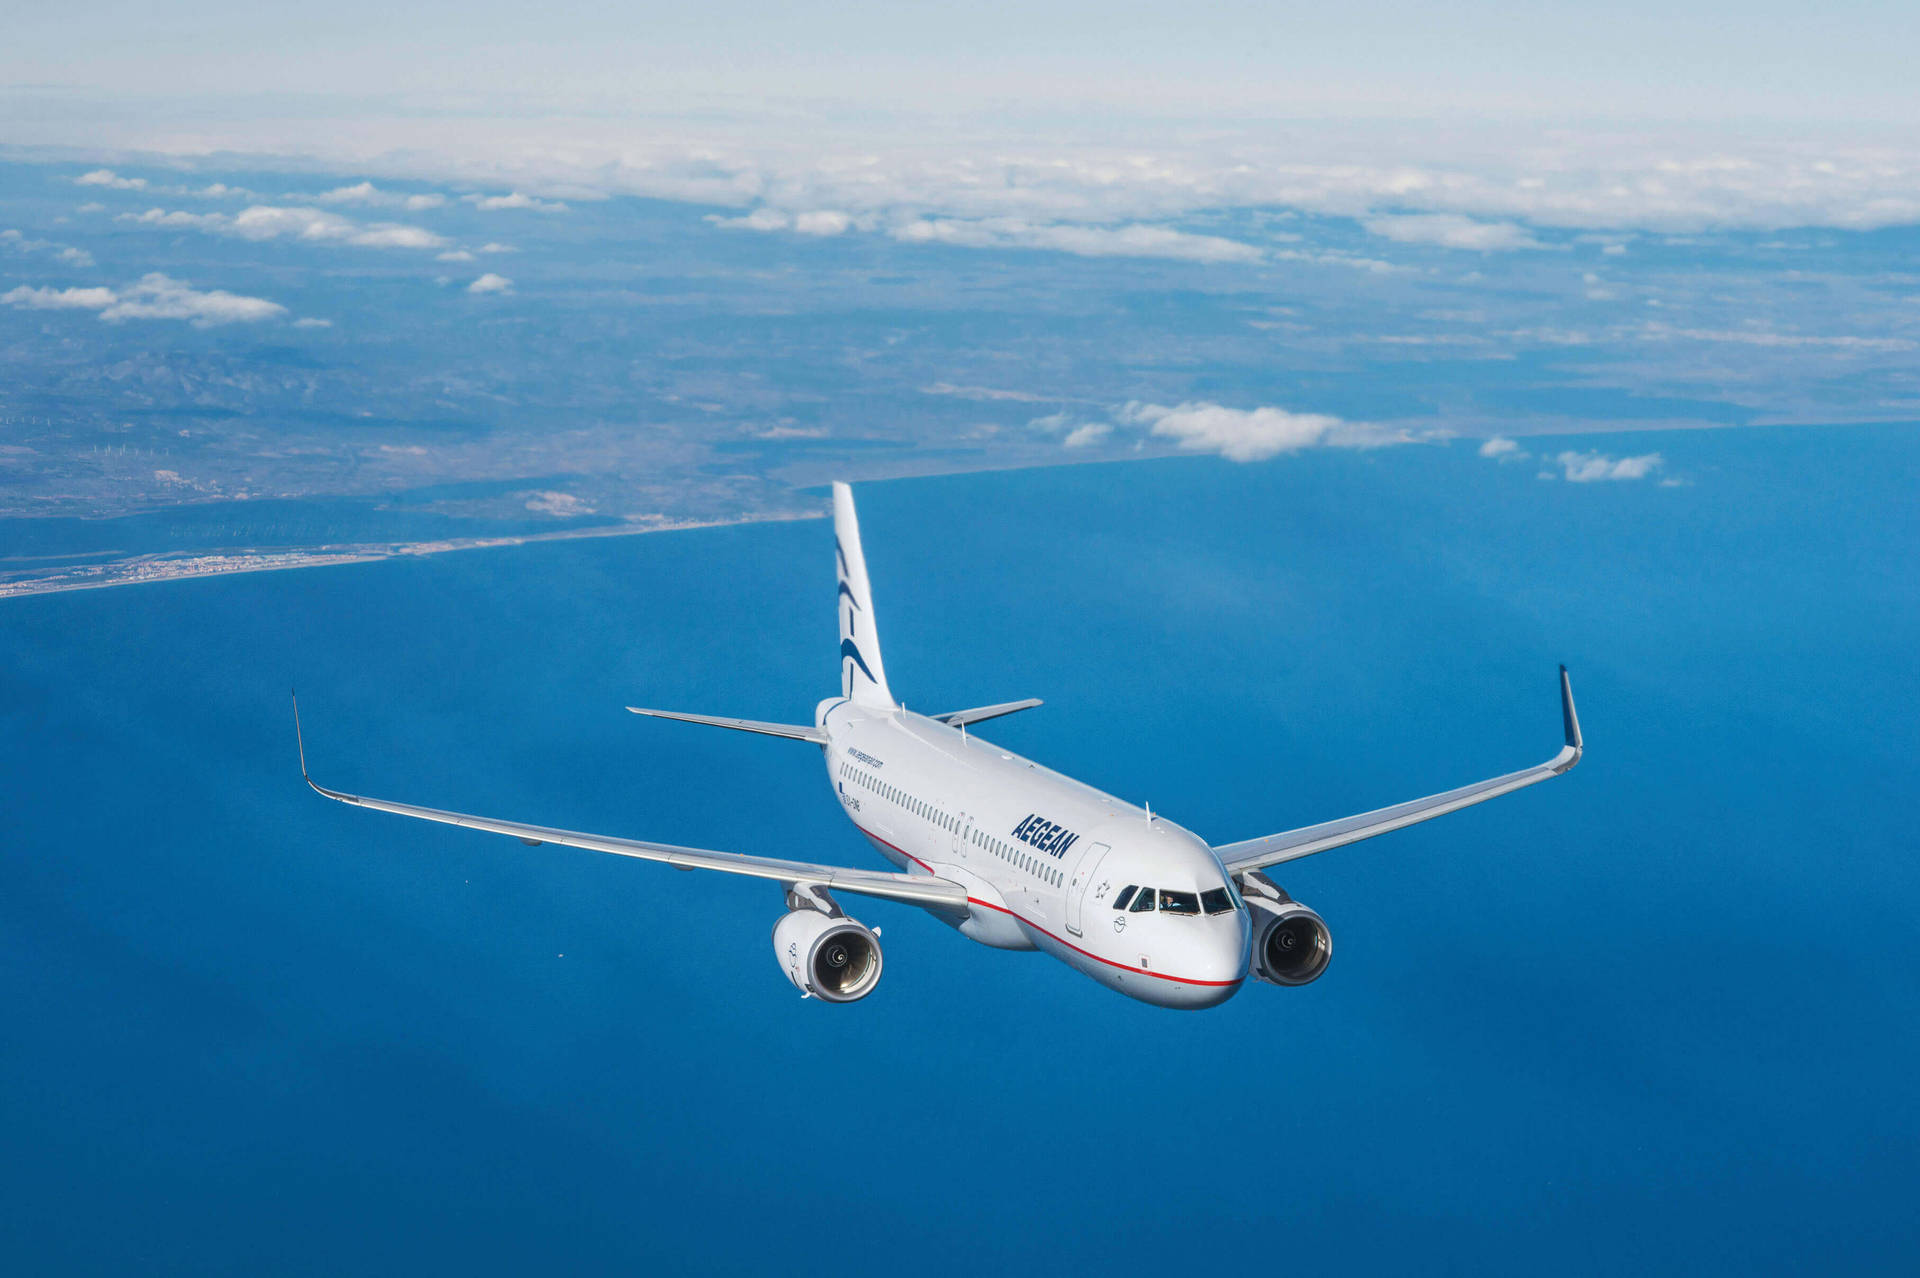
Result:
x=915 y=889
x=797 y=731
x=1255 y=854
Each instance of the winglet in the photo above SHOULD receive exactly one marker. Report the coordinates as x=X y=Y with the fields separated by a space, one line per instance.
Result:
x=298 y=738
x=1570 y=720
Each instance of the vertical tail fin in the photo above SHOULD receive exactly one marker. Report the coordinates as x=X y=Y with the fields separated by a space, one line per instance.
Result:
x=863 y=677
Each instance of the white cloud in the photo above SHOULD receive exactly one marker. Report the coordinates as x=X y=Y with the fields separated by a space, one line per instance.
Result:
x=454 y=255
x=155 y=296
x=984 y=393
x=491 y=283
x=1246 y=435
x=1136 y=240
x=18 y=242
x=60 y=299
x=1145 y=168
x=92 y=206
x=274 y=222
x=1133 y=240
x=394 y=236
x=758 y=220
x=558 y=504
x=108 y=178
x=313 y=323
x=492 y=246
x=371 y=196
x=1450 y=230
x=516 y=200
x=1502 y=449
x=1586 y=468
x=1091 y=433
x=359 y=193
x=822 y=222
x=161 y=217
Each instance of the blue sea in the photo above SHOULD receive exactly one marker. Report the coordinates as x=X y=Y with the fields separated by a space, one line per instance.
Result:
x=1658 y=1016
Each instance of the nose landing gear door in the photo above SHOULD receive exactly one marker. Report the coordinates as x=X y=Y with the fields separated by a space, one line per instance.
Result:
x=1083 y=871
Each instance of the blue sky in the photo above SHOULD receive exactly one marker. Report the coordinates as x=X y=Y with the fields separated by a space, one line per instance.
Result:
x=1215 y=58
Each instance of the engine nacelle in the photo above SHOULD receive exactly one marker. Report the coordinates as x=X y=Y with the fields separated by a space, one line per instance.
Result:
x=829 y=956
x=1291 y=944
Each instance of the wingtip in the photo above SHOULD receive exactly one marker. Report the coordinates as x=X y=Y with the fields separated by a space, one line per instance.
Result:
x=299 y=738
x=1569 y=717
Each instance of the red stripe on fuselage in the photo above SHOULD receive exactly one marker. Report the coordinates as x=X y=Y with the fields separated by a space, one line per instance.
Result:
x=973 y=900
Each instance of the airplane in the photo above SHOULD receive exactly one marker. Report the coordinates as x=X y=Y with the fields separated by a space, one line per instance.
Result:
x=1008 y=853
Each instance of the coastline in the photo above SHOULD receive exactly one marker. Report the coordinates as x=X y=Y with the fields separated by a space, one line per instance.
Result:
x=135 y=570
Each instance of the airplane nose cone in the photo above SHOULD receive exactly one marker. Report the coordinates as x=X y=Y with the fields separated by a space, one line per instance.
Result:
x=1219 y=965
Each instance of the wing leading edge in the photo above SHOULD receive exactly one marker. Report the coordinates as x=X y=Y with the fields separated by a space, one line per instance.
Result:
x=795 y=731
x=1255 y=854
x=915 y=889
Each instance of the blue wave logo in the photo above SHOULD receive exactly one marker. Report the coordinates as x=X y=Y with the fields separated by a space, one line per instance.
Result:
x=847 y=649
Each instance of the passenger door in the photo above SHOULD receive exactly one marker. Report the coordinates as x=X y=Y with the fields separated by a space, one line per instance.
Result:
x=1083 y=871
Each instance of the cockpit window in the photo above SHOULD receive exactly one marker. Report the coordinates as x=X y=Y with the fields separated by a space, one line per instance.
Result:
x=1126 y=894
x=1179 y=902
x=1143 y=903
x=1216 y=901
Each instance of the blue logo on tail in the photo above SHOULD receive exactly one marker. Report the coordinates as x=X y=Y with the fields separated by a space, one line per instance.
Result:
x=847 y=649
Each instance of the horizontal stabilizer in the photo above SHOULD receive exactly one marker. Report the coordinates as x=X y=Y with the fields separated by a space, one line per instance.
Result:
x=981 y=713
x=797 y=731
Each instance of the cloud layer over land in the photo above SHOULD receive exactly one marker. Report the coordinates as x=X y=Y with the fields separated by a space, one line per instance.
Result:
x=271 y=222
x=155 y=296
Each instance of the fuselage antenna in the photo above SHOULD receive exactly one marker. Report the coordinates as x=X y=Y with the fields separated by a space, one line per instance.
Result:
x=1149 y=814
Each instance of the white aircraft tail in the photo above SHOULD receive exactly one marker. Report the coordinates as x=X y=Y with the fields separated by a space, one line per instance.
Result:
x=863 y=676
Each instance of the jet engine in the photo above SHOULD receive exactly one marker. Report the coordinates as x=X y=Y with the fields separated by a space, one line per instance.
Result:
x=827 y=955
x=1291 y=944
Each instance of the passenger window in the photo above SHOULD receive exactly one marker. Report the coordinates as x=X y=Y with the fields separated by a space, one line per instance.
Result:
x=1142 y=904
x=1216 y=901
x=1179 y=902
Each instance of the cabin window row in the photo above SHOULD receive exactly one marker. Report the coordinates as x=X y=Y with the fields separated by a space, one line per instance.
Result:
x=921 y=808
x=1025 y=860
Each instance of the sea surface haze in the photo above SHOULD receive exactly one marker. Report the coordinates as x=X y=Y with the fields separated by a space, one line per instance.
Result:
x=1657 y=1016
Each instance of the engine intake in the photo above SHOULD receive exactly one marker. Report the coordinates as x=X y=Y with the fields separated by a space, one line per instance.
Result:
x=1291 y=944
x=829 y=956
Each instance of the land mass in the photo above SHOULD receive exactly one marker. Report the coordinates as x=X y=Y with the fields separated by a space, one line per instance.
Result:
x=176 y=566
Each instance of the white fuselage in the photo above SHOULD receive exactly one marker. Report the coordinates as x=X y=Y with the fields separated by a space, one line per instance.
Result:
x=1043 y=857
